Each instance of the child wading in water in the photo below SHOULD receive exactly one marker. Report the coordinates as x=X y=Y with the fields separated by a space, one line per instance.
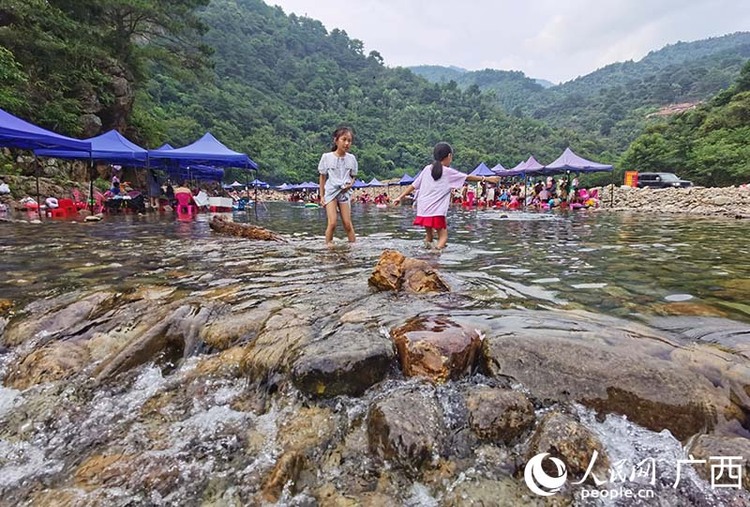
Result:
x=434 y=184
x=337 y=170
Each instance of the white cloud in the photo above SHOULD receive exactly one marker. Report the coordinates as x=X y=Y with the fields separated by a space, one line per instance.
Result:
x=543 y=38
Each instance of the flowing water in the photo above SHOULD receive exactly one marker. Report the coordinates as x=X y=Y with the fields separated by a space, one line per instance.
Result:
x=627 y=265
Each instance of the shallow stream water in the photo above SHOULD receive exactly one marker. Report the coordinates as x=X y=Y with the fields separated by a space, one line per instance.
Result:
x=627 y=265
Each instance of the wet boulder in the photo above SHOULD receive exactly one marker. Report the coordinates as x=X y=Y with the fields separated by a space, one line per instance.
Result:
x=56 y=318
x=564 y=437
x=278 y=344
x=436 y=348
x=499 y=415
x=406 y=428
x=347 y=361
x=394 y=272
x=610 y=365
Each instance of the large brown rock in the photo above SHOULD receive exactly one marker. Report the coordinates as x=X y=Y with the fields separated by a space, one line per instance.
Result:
x=711 y=447
x=248 y=231
x=394 y=272
x=436 y=348
x=54 y=361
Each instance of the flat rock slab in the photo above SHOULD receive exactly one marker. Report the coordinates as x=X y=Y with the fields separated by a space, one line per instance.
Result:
x=606 y=364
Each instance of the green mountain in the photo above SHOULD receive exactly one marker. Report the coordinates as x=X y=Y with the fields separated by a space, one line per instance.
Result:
x=612 y=103
x=281 y=84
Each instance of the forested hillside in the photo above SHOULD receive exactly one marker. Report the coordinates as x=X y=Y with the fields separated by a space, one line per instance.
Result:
x=710 y=145
x=612 y=103
x=283 y=83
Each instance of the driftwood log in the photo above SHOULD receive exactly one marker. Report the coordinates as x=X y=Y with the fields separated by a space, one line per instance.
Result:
x=248 y=231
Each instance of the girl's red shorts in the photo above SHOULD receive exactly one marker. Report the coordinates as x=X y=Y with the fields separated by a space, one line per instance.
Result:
x=434 y=222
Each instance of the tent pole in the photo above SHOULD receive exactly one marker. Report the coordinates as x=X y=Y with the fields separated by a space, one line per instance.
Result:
x=612 y=192
x=91 y=185
x=525 y=191
x=38 y=193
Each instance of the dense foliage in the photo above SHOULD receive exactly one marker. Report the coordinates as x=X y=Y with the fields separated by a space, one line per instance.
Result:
x=283 y=83
x=58 y=58
x=710 y=145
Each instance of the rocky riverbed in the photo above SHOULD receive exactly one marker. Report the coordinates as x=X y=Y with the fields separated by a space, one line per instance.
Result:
x=243 y=392
x=731 y=201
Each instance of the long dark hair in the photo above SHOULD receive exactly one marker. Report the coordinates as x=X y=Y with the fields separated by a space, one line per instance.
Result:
x=340 y=132
x=441 y=151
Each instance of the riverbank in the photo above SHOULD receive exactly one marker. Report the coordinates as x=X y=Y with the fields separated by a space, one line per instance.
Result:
x=730 y=201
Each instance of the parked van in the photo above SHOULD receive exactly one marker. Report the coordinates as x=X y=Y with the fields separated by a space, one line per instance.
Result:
x=662 y=180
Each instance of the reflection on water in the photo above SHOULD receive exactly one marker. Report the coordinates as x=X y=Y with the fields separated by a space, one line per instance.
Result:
x=623 y=264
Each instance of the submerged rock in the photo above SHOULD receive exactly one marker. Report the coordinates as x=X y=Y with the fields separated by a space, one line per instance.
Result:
x=394 y=272
x=436 y=348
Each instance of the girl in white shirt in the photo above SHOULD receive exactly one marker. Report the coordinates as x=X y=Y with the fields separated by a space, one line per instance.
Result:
x=337 y=170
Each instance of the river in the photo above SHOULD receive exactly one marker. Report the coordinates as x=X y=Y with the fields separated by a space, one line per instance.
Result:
x=633 y=267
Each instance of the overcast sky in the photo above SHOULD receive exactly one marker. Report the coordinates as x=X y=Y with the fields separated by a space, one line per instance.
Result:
x=547 y=39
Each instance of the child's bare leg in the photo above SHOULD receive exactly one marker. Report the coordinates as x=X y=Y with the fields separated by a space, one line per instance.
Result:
x=428 y=236
x=346 y=220
x=332 y=216
x=442 y=238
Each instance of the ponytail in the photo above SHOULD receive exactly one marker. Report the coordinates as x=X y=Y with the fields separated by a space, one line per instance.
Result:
x=437 y=170
x=441 y=151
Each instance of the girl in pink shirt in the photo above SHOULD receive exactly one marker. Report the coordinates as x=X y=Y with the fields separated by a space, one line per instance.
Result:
x=434 y=184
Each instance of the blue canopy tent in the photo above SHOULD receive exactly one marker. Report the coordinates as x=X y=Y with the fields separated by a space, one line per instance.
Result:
x=359 y=184
x=17 y=133
x=110 y=147
x=284 y=187
x=499 y=167
x=405 y=180
x=482 y=170
x=206 y=150
x=375 y=183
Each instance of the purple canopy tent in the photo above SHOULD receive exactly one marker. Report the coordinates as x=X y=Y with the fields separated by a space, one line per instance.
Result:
x=482 y=170
x=569 y=161
x=405 y=180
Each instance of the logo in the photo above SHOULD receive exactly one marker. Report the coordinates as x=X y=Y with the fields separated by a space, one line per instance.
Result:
x=537 y=479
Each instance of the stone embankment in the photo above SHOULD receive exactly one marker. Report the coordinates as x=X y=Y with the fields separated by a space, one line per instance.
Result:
x=730 y=201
